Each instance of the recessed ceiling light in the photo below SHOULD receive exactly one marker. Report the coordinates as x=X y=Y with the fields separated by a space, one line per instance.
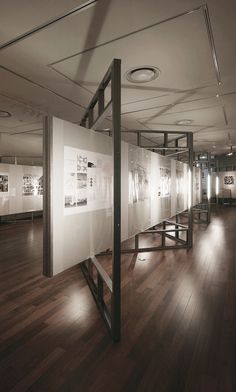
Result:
x=142 y=74
x=3 y=113
x=184 y=122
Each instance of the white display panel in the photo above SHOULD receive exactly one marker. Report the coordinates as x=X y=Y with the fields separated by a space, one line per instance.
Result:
x=139 y=183
x=153 y=188
x=21 y=189
x=197 y=187
x=79 y=231
x=181 y=186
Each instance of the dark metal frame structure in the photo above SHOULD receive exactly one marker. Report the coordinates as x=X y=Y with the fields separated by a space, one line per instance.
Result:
x=178 y=144
x=47 y=211
x=113 y=107
x=168 y=229
x=204 y=208
x=201 y=213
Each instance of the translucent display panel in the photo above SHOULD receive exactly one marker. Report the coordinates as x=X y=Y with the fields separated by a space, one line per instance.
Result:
x=153 y=188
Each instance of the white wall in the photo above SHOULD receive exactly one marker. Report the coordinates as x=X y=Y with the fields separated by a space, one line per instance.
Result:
x=225 y=190
x=81 y=231
x=14 y=201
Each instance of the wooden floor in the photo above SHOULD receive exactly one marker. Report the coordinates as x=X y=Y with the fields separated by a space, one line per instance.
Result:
x=179 y=318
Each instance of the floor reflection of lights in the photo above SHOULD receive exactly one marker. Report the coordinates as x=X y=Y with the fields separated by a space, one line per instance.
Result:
x=79 y=306
x=142 y=260
x=30 y=237
x=212 y=243
x=187 y=307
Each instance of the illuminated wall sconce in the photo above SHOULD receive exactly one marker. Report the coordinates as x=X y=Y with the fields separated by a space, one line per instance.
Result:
x=189 y=189
x=217 y=186
x=208 y=186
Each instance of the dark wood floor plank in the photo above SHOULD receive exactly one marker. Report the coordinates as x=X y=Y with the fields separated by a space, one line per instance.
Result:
x=178 y=318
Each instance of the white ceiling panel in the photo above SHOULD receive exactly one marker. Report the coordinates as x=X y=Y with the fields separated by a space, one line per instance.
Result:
x=178 y=44
x=17 y=17
x=41 y=99
x=183 y=57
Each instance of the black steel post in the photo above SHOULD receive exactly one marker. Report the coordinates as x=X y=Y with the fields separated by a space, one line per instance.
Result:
x=190 y=188
x=47 y=213
x=177 y=226
x=100 y=287
x=165 y=142
x=136 y=242
x=100 y=102
x=139 y=139
x=116 y=142
x=209 y=184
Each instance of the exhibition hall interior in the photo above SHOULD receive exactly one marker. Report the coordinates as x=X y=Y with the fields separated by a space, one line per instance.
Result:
x=118 y=195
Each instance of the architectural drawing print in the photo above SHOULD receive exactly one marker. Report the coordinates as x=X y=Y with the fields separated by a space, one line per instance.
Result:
x=4 y=181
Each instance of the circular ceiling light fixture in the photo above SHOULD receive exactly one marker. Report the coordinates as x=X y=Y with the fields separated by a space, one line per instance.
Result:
x=3 y=113
x=143 y=74
x=184 y=122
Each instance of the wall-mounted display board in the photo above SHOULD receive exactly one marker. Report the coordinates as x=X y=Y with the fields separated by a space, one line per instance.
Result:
x=153 y=188
x=227 y=184
x=32 y=184
x=21 y=189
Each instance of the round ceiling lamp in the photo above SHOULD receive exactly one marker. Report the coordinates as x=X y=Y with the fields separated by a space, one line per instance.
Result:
x=142 y=74
x=4 y=114
x=184 y=122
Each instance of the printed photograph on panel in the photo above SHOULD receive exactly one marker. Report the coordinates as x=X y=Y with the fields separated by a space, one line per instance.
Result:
x=81 y=189
x=89 y=186
x=165 y=181
x=4 y=183
x=229 y=180
x=164 y=190
x=32 y=185
x=70 y=189
x=82 y=163
x=139 y=184
x=139 y=209
x=139 y=175
x=40 y=189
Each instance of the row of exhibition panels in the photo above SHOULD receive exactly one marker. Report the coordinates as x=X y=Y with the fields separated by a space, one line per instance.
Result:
x=153 y=188
x=21 y=189
x=149 y=175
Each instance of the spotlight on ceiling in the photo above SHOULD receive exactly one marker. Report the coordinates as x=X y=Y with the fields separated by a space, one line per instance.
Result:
x=184 y=122
x=5 y=114
x=142 y=74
